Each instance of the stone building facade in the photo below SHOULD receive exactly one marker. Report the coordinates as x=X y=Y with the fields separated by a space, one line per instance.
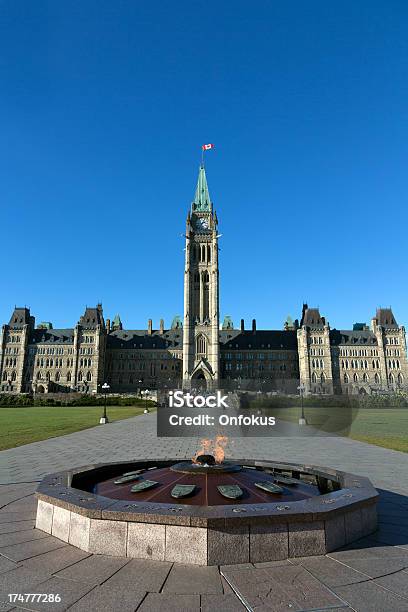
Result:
x=196 y=351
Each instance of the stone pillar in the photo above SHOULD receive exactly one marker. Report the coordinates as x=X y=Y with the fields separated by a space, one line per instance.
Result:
x=379 y=333
x=304 y=359
x=201 y=296
x=77 y=341
x=3 y=336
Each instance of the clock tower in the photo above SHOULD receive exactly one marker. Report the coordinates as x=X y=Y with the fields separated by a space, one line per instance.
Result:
x=201 y=299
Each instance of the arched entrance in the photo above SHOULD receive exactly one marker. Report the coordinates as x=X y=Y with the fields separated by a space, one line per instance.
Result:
x=198 y=380
x=40 y=389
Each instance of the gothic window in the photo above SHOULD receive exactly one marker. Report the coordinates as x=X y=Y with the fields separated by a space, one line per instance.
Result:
x=356 y=377
x=321 y=363
x=69 y=377
x=314 y=377
x=89 y=376
x=377 y=379
x=400 y=379
x=391 y=378
x=365 y=377
x=4 y=375
x=14 y=376
x=201 y=345
x=209 y=254
x=322 y=378
x=80 y=377
x=39 y=376
x=57 y=377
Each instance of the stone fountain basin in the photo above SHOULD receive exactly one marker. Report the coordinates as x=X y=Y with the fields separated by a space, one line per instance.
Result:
x=205 y=535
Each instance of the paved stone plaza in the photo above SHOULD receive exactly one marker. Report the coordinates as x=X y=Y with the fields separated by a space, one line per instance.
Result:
x=371 y=575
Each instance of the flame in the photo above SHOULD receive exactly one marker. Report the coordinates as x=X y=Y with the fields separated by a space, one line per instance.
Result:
x=219 y=445
x=213 y=447
x=204 y=450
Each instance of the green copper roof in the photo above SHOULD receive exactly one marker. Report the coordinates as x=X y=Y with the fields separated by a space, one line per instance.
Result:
x=202 y=196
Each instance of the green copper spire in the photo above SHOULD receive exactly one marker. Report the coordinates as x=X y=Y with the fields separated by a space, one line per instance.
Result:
x=202 y=200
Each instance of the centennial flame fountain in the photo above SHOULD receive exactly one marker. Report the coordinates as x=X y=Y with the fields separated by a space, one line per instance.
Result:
x=207 y=511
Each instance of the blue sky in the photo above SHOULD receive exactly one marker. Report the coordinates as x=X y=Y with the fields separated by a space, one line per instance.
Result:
x=104 y=107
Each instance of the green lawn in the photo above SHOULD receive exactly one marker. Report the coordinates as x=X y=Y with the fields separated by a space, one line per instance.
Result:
x=386 y=427
x=24 y=425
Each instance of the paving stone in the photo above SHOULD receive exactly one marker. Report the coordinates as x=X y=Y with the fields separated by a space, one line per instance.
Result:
x=370 y=550
x=6 y=564
x=146 y=541
x=368 y=596
x=226 y=603
x=26 y=550
x=273 y=563
x=20 y=580
x=268 y=543
x=331 y=572
x=186 y=544
x=170 y=603
x=12 y=517
x=375 y=567
x=396 y=582
x=187 y=579
x=16 y=537
x=225 y=586
x=280 y=588
x=56 y=560
x=228 y=545
x=391 y=537
x=141 y=575
x=93 y=570
x=306 y=539
x=68 y=590
x=18 y=526
x=108 y=599
x=108 y=537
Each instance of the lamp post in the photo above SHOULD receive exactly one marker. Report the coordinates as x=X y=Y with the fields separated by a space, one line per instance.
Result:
x=104 y=418
x=146 y=410
x=302 y=420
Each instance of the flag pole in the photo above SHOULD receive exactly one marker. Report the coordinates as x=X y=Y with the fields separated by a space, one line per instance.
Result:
x=202 y=157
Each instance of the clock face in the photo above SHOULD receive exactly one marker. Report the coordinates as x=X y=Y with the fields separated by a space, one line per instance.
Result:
x=201 y=224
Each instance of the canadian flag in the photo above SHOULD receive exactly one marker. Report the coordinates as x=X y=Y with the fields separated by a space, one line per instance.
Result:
x=207 y=146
